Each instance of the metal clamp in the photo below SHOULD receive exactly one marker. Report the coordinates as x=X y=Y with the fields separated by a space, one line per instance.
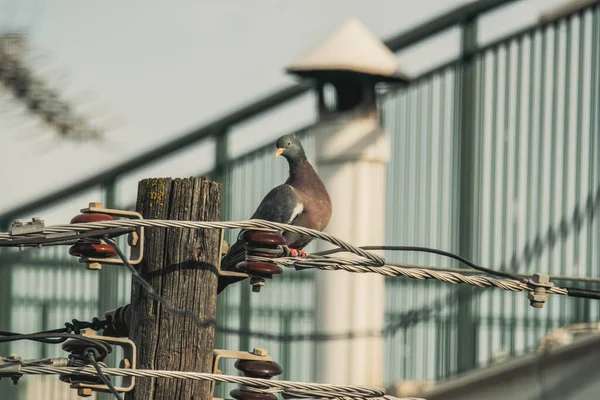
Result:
x=10 y=367
x=134 y=239
x=538 y=296
x=18 y=227
x=85 y=389
x=257 y=354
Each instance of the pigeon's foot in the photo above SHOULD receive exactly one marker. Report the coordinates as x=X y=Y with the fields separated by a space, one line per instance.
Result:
x=298 y=253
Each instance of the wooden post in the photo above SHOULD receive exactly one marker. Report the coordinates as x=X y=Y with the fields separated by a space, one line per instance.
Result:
x=164 y=341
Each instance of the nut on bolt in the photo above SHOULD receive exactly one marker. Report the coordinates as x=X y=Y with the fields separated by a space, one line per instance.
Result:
x=259 y=351
x=94 y=266
x=84 y=392
x=257 y=284
x=133 y=238
x=539 y=295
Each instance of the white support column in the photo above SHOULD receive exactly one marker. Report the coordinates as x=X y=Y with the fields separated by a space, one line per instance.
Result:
x=352 y=156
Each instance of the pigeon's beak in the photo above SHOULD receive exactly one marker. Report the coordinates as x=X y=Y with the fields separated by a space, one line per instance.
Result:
x=279 y=151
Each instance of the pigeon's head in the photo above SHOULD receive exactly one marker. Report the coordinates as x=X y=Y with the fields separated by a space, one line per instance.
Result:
x=290 y=147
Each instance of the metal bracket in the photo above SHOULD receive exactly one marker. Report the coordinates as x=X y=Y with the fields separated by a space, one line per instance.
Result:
x=257 y=354
x=134 y=239
x=129 y=361
x=538 y=296
x=223 y=248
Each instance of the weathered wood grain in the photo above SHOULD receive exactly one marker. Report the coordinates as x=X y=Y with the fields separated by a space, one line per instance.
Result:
x=165 y=341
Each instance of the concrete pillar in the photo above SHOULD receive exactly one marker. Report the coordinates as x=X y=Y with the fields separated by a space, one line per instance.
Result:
x=352 y=155
x=352 y=160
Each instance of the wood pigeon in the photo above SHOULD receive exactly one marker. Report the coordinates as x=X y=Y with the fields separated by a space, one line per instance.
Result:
x=302 y=201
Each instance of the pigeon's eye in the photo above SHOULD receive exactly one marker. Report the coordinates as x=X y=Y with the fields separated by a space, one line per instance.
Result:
x=289 y=143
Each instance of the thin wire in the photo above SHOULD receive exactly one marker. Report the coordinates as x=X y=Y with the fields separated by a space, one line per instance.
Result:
x=105 y=348
x=102 y=376
x=434 y=251
x=74 y=326
x=164 y=303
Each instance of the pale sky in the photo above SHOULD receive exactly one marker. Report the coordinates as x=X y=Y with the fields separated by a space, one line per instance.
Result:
x=161 y=69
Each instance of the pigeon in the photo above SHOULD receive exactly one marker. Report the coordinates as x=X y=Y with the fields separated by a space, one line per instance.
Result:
x=301 y=201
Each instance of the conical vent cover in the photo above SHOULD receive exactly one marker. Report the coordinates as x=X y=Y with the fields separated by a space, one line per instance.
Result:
x=352 y=47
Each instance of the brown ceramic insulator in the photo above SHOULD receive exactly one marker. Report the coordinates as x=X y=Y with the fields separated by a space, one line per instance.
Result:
x=263 y=238
x=256 y=369
x=262 y=269
x=259 y=254
x=241 y=394
x=92 y=250
x=91 y=217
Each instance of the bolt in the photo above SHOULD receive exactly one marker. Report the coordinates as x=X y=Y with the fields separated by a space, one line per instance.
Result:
x=15 y=379
x=125 y=363
x=537 y=298
x=84 y=392
x=18 y=222
x=96 y=204
x=540 y=278
x=257 y=284
x=94 y=266
x=259 y=351
x=36 y=219
x=133 y=239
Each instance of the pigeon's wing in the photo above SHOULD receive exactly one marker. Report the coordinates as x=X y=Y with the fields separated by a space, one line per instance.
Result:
x=282 y=205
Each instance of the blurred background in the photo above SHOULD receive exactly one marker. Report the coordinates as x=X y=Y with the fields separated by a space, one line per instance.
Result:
x=493 y=154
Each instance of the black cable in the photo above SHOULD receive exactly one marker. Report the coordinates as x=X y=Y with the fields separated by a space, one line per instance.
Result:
x=104 y=378
x=583 y=293
x=34 y=241
x=434 y=251
x=103 y=346
x=74 y=326
x=136 y=276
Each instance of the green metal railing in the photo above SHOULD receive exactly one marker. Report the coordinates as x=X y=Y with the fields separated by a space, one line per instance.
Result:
x=489 y=151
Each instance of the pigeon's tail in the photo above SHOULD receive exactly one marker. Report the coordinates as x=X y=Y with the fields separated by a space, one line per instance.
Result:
x=235 y=255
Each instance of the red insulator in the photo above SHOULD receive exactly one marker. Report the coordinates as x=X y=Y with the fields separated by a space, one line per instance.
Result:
x=262 y=269
x=92 y=250
x=91 y=217
x=256 y=369
x=264 y=238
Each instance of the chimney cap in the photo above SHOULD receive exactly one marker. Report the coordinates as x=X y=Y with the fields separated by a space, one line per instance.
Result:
x=351 y=48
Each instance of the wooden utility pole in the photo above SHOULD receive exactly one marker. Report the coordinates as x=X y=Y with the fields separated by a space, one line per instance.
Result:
x=165 y=341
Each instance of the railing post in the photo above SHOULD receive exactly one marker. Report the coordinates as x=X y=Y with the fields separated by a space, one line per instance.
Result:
x=108 y=295
x=465 y=172
x=6 y=386
x=108 y=298
x=219 y=174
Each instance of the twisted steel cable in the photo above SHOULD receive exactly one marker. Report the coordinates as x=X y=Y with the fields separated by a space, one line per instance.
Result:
x=247 y=224
x=338 y=264
x=286 y=388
